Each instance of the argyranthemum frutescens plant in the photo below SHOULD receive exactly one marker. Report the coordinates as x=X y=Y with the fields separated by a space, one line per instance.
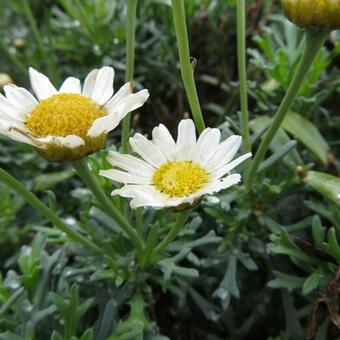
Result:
x=69 y=123
x=175 y=174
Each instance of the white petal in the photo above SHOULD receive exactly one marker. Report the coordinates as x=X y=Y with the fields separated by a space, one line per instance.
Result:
x=147 y=150
x=143 y=195
x=130 y=163
x=228 y=167
x=103 y=125
x=41 y=85
x=103 y=86
x=70 y=85
x=70 y=141
x=207 y=142
x=124 y=177
x=7 y=110
x=89 y=83
x=224 y=153
x=20 y=97
x=120 y=96
x=8 y=131
x=186 y=140
x=130 y=103
x=164 y=141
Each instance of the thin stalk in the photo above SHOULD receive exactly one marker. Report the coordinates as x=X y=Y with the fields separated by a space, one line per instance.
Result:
x=180 y=221
x=36 y=203
x=86 y=175
x=12 y=299
x=130 y=63
x=34 y=27
x=314 y=40
x=178 y=12
x=242 y=74
x=139 y=222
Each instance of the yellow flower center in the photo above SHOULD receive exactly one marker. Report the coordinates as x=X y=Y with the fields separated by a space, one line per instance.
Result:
x=179 y=178
x=63 y=114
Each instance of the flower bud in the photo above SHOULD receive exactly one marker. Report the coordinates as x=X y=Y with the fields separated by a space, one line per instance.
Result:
x=321 y=14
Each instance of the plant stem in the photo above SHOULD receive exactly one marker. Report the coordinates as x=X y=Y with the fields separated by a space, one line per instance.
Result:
x=86 y=175
x=36 y=203
x=242 y=73
x=180 y=221
x=314 y=40
x=11 y=300
x=178 y=12
x=34 y=27
x=130 y=63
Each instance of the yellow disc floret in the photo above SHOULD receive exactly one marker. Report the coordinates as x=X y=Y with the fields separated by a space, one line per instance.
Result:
x=63 y=114
x=180 y=178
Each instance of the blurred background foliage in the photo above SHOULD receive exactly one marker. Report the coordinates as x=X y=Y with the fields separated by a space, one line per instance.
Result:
x=261 y=265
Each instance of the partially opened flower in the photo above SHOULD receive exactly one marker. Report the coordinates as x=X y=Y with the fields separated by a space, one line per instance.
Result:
x=175 y=174
x=69 y=123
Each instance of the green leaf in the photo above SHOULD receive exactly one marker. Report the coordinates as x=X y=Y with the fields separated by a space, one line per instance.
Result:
x=311 y=283
x=229 y=283
x=307 y=133
x=277 y=155
x=327 y=185
x=281 y=138
x=283 y=280
x=48 y=181
x=318 y=231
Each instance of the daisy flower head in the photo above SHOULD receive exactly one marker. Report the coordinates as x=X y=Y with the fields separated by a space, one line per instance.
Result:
x=175 y=174
x=69 y=123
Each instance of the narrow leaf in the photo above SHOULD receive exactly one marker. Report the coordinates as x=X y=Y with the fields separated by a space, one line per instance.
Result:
x=307 y=133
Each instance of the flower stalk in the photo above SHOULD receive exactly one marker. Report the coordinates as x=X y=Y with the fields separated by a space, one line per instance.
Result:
x=130 y=63
x=36 y=203
x=314 y=40
x=178 y=11
x=34 y=27
x=242 y=74
x=173 y=232
x=86 y=175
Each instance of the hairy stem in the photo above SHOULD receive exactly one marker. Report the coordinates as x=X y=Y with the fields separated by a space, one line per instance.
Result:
x=178 y=12
x=34 y=27
x=314 y=40
x=242 y=72
x=173 y=232
x=36 y=203
x=86 y=175
x=130 y=63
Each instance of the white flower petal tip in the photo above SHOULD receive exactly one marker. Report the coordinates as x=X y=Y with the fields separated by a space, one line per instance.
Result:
x=99 y=85
x=175 y=174
x=41 y=85
x=70 y=85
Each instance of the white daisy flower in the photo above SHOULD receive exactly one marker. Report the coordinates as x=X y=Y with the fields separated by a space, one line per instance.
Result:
x=69 y=123
x=175 y=174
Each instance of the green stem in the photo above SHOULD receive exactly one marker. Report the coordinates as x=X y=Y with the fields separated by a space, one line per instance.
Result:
x=130 y=63
x=35 y=202
x=178 y=12
x=12 y=299
x=242 y=72
x=34 y=27
x=180 y=220
x=314 y=40
x=139 y=222
x=86 y=175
